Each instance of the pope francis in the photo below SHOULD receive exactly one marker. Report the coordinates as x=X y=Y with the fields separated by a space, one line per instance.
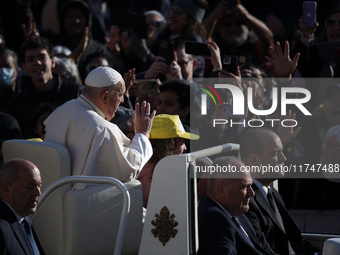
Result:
x=98 y=147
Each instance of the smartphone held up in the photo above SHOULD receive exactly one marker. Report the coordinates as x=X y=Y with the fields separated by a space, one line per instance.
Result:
x=309 y=13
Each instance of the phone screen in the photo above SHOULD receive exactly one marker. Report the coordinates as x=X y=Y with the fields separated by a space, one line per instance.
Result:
x=230 y=63
x=138 y=23
x=309 y=13
x=166 y=50
x=197 y=48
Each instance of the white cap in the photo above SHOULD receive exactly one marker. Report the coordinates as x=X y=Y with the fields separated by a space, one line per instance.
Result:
x=103 y=76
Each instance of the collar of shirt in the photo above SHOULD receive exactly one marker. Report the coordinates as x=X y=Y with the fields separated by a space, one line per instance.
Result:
x=85 y=101
x=263 y=189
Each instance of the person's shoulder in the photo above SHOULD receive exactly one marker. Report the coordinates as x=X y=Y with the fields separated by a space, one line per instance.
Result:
x=71 y=85
x=208 y=206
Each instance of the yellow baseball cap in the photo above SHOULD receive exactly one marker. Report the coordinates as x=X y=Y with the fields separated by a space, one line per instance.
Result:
x=165 y=126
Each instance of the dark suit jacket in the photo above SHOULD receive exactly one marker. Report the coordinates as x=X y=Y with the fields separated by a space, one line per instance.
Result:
x=13 y=238
x=264 y=221
x=218 y=234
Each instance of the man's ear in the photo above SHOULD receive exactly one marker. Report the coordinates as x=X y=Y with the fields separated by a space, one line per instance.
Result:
x=52 y=62
x=220 y=188
x=4 y=188
x=194 y=64
x=104 y=96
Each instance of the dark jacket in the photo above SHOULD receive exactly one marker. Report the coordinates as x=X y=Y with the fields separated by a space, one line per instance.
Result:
x=23 y=105
x=13 y=239
x=264 y=221
x=218 y=234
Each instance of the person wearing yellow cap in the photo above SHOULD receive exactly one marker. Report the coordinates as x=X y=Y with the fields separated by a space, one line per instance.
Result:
x=98 y=147
x=167 y=137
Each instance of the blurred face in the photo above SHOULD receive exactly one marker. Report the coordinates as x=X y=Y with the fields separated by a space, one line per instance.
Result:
x=39 y=127
x=154 y=24
x=180 y=146
x=168 y=103
x=38 y=65
x=113 y=99
x=233 y=31
x=331 y=109
x=272 y=154
x=333 y=28
x=96 y=62
x=331 y=151
x=23 y=192
x=7 y=62
x=187 y=64
x=236 y=193
x=178 y=20
x=75 y=21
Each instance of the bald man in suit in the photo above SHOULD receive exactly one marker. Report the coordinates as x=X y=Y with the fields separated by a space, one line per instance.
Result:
x=20 y=191
x=223 y=227
x=267 y=212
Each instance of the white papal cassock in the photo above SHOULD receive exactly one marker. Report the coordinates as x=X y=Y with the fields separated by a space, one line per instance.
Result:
x=97 y=147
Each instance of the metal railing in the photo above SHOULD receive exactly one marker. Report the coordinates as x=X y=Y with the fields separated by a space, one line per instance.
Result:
x=97 y=180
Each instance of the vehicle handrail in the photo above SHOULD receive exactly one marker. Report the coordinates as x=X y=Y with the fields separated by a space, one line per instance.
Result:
x=214 y=150
x=97 y=180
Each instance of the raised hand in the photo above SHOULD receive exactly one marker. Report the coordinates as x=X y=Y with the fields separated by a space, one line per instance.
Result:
x=113 y=41
x=281 y=62
x=287 y=134
x=30 y=29
x=143 y=119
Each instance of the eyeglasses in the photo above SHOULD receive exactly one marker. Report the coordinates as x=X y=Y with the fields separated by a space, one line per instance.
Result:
x=229 y=22
x=175 y=12
x=332 y=23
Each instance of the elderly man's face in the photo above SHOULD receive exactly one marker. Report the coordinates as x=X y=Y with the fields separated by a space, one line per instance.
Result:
x=23 y=191
x=114 y=99
x=233 y=31
x=237 y=193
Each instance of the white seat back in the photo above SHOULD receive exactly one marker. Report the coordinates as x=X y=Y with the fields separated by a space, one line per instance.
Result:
x=331 y=246
x=54 y=163
x=78 y=222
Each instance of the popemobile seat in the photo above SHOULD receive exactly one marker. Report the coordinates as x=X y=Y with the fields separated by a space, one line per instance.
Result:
x=78 y=221
x=331 y=246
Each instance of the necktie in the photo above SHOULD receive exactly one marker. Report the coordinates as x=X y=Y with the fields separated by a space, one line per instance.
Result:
x=271 y=200
x=272 y=204
x=30 y=237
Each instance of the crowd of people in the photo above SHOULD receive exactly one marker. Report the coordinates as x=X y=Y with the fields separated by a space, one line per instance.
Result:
x=103 y=77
